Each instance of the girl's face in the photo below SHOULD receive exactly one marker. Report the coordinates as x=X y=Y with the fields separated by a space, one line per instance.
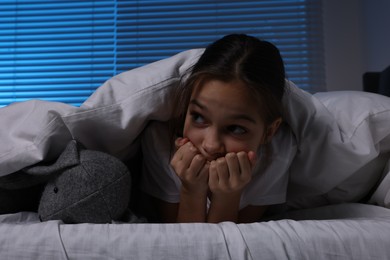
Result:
x=223 y=117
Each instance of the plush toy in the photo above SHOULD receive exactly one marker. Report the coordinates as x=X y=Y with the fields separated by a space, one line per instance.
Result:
x=80 y=186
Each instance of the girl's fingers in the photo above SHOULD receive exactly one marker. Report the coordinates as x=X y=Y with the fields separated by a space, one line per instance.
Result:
x=232 y=172
x=223 y=172
x=218 y=175
x=213 y=175
x=182 y=158
x=197 y=165
x=241 y=162
x=233 y=164
x=188 y=151
x=180 y=141
x=239 y=168
x=252 y=158
x=245 y=165
x=204 y=172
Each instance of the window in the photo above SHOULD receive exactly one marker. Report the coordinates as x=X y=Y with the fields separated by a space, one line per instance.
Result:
x=63 y=50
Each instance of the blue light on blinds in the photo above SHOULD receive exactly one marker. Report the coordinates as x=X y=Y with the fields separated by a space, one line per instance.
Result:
x=55 y=50
x=63 y=50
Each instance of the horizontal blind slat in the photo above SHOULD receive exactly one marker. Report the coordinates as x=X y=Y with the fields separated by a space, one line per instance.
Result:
x=63 y=50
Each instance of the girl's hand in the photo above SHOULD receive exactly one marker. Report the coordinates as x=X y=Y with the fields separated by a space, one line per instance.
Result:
x=227 y=178
x=191 y=167
x=230 y=174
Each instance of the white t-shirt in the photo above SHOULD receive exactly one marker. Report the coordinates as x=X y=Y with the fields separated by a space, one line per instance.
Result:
x=267 y=187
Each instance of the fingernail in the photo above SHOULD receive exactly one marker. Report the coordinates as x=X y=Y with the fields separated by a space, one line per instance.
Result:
x=180 y=141
x=192 y=147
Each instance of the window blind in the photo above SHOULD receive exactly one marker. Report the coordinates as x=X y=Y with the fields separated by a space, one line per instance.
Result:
x=63 y=50
x=55 y=50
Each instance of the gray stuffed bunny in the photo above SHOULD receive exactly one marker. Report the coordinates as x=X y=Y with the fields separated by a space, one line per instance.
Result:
x=80 y=186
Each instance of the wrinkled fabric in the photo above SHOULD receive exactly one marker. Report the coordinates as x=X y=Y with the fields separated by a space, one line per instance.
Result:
x=109 y=121
x=342 y=139
x=362 y=236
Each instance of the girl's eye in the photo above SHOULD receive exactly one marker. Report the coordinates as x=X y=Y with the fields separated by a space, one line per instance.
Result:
x=237 y=130
x=197 y=118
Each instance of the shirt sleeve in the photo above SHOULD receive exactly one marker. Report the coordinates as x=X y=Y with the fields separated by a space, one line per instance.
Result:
x=158 y=178
x=271 y=175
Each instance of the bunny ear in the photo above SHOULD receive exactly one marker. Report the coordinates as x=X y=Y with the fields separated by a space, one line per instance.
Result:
x=68 y=158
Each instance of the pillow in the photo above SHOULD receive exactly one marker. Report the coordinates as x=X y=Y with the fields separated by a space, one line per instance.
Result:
x=343 y=145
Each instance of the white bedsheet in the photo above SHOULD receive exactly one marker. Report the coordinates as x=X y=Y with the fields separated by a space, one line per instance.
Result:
x=366 y=235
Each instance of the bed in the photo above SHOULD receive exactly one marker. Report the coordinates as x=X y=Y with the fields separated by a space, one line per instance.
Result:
x=352 y=222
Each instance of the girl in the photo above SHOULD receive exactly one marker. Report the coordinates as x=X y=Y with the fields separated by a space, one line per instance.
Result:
x=227 y=111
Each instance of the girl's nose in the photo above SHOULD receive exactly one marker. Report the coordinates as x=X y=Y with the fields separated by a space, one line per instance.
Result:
x=213 y=145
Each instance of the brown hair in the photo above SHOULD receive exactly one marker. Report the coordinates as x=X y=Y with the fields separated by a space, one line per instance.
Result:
x=256 y=63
